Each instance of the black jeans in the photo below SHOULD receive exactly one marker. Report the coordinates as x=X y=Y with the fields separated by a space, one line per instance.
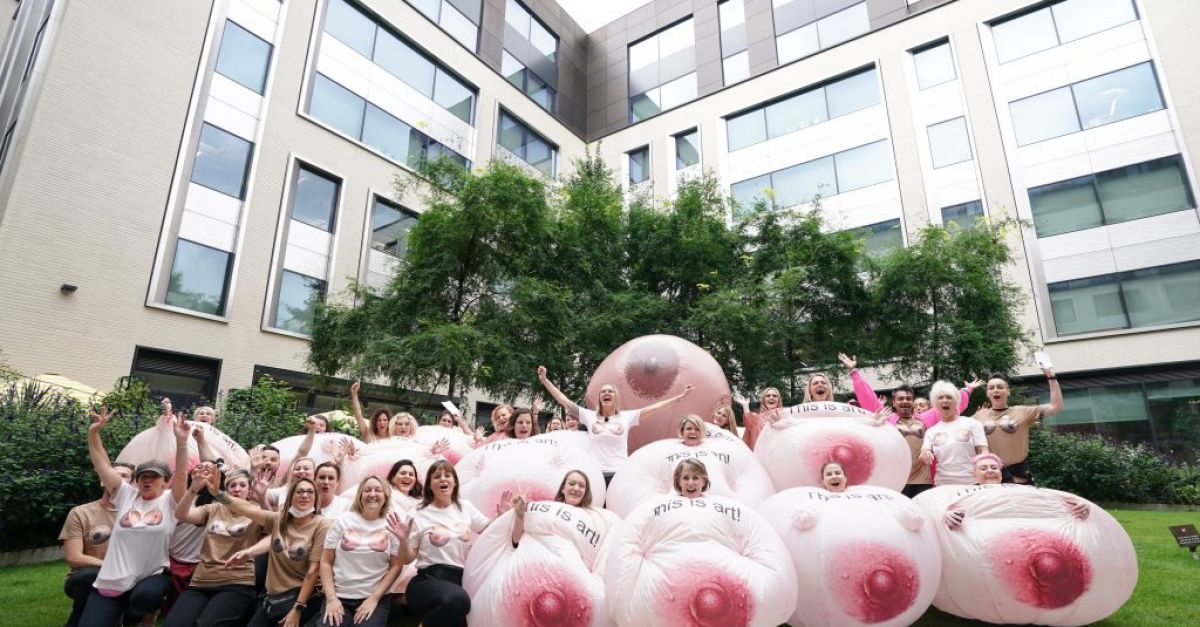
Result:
x=216 y=606
x=379 y=618
x=1018 y=470
x=914 y=489
x=79 y=587
x=315 y=606
x=145 y=597
x=436 y=597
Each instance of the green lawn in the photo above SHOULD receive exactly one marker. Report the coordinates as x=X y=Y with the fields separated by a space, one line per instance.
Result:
x=1165 y=594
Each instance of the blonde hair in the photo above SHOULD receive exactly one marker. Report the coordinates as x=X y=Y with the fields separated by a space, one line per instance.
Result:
x=695 y=420
x=762 y=398
x=616 y=400
x=400 y=417
x=356 y=506
x=808 y=386
x=943 y=388
x=730 y=418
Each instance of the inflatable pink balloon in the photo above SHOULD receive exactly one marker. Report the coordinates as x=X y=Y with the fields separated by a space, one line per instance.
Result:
x=378 y=457
x=809 y=435
x=460 y=443
x=158 y=442
x=533 y=468
x=323 y=448
x=549 y=579
x=704 y=562
x=1029 y=555
x=732 y=470
x=653 y=367
x=866 y=556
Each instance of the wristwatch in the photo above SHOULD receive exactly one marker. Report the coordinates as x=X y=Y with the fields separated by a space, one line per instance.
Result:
x=299 y=607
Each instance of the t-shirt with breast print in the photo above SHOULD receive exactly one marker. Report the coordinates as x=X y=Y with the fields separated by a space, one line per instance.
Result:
x=92 y=523
x=293 y=550
x=225 y=533
x=1007 y=430
x=137 y=548
x=441 y=535
x=363 y=552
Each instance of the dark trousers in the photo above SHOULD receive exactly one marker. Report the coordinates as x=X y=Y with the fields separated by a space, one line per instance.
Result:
x=436 y=597
x=914 y=489
x=316 y=605
x=1019 y=470
x=379 y=618
x=218 y=606
x=145 y=597
x=78 y=588
x=260 y=574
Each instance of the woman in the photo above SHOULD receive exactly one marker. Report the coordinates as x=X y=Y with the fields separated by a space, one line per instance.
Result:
x=437 y=536
x=608 y=423
x=691 y=430
x=953 y=442
x=921 y=404
x=988 y=467
x=576 y=491
x=691 y=479
x=205 y=414
x=833 y=477
x=85 y=542
x=377 y=427
x=217 y=595
x=723 y=417
x=359 y=563
x=297 y=536
x=1007 y=426
x=301 y=468
x=769 y=404
x=555 y=424
x=134 y=578
x=571 y=423
x=403 y=479
x=818 y=388
x=403 y=425
x=329 y=484
x=523 y=423
x=453 y=421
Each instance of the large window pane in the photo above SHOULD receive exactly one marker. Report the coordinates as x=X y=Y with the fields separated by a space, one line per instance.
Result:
x=948 y=142
x=350 y=26
x=679 y=91
x=802 y=183
x=199 y=276
x=644 y=105
x=863 y=166
x=454 y=96
x=1044 y=116
x=965 y=215
x=389 y=228
x=222 y=160
x=405 y=63
x=337 y=106
x=843 y=25
x=797 y=112
x=1024 y=35
x=298 y=299
x=512 y=135
x=934 y=65
x=512 y=70
x=746 y=193
x=798 y=43
x=315 y=199
x=746 y=129
x=459 y=27
x=1144 y=190
x=243 y=57
x=525 y=144
x=1079 y=18
x=1083 y=305
x=517 y=17
x=1064 y=207
x=880 y=238
x=1174 y=417
x=544 y=41
x=540 y=154
x=392 y=137
x=852 y=93
x=736 y=67
x=1163 y=295
x=1118 y=95
x=687 y=149
x=639 y=165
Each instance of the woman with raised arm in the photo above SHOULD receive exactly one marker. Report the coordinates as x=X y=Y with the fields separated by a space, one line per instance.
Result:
x=1007 y=426
x=85 y=542
x=360 y=561
x=723 y=417
x=608 y=423
x=868 y=400
x=951 y=444
x=134 y=578
x=377 y=427
x=770 y=402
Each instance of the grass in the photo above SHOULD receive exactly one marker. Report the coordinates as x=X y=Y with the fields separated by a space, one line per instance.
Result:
x=1165 y=593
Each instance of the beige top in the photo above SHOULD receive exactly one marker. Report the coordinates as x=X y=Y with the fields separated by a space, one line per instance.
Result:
x=913 y=431
x=92 y=523
x=1008 y=430
x=290 y=555
x=225 y=533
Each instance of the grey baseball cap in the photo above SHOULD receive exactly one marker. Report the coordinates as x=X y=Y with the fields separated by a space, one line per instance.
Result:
x=153 y=466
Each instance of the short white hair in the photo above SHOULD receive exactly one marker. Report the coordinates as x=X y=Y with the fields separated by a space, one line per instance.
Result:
x=943 y=388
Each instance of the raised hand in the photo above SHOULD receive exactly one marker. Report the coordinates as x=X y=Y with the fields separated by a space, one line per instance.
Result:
x=166 y=408
x=256 y=458
x=506 y=502
x=849 y=361
x=182 y=429
x=518 y=506
x=743 y=401
x=354 y=388
x=688 y=389
x=971 y=385
x=310 y=424
x=101 y=418
x=439 y=447
x=399 y=525
x=537 y=406
x=541 y=371
x=881 y=415
x=201 y=476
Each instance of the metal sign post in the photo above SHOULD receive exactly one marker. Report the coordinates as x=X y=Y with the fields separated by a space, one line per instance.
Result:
x=1187 y=538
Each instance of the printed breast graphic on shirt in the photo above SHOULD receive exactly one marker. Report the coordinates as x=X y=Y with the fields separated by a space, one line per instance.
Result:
x=234 y=530
x=961 y=435
x=298 y=551
x=440 y=535
x=911 y=431
x=98 y=534
x=1004 y=423
x=136 y=519
x=613 y=426
x=354 y=538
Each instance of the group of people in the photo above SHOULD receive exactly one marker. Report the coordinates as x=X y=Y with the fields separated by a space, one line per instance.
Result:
x=229 y=546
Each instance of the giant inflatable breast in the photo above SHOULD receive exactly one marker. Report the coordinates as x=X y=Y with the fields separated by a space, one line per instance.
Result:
x=546 y=581
x=323 y=447
x=706 y=562
x=807 y=436
x=1022 y=556
x=732 y=470
x=460 y=443
x=867 y=556
x=532 y=467
x=158 y=442
x=378 y=457
x=650 y=368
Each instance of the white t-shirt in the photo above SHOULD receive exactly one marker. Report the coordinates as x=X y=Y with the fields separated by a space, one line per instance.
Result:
x=611 y=437
x=185 y=543
x=336 y=508
x=442 y=535
x=953 y=444
x=364 y=551
x=138 y=546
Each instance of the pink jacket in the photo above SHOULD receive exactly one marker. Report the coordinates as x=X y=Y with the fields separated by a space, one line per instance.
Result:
x=868 y=400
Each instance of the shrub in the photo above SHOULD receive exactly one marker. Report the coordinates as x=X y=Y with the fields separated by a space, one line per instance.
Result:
x=262 y=413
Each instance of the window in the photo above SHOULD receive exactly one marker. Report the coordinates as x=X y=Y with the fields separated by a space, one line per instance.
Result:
x=863 y=166
x=188 y=380
x=799 y=35
x=522 y=142
x=810 y=106
x=964 y=216
x=1102 y=100
x=299 y=296
x=882 y=237
x=662 y=71
x=337 y=106
x=1137 y=191
x=835 y=174
x=530 y=55
x=532 y=30
x=222 y=161
x=315 y=198
x=948 y=142
x=525 y=80
x=1056 y=24
x=243 y=57
x=459 y=18
x=1134 y=299
x=390 y=225
x=687 y=149
x=639 y=165
x=199 y=278
x=735 y=58
x=351 y=26
x=935 y=65
x=736 y=67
